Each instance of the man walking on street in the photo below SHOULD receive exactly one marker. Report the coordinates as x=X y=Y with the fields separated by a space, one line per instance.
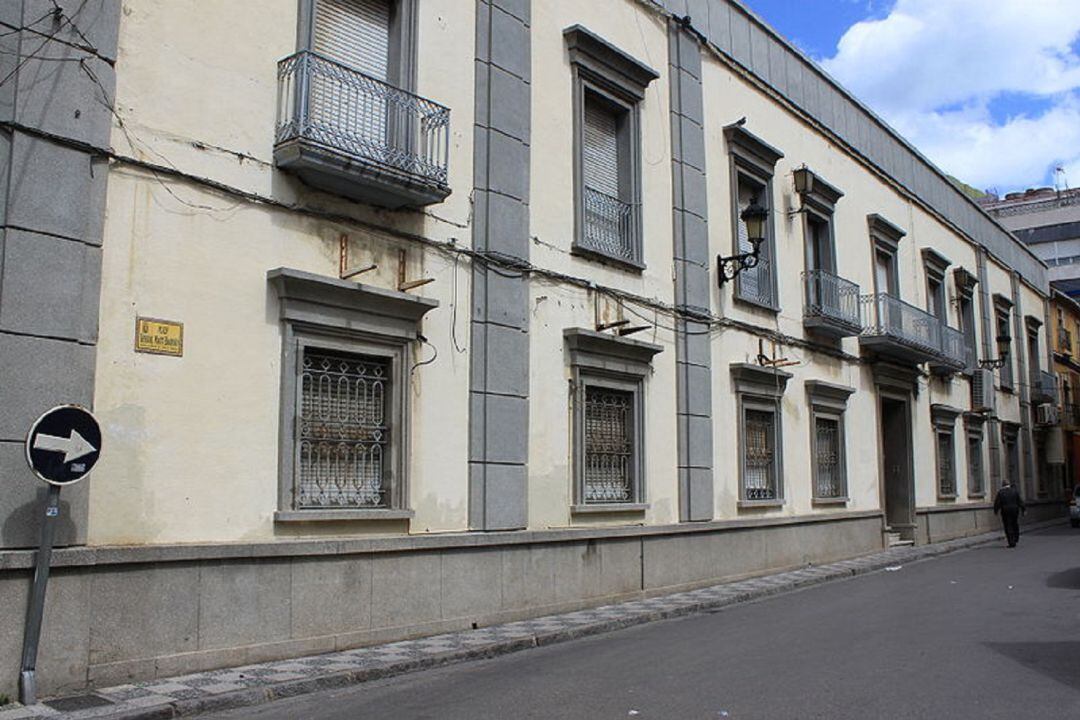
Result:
x=1010 y=504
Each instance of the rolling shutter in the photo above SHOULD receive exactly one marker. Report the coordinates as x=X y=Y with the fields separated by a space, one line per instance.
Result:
x=355 y=33
x=601 y=149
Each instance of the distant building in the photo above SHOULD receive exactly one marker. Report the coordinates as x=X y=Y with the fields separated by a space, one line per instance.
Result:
x=1047 y=221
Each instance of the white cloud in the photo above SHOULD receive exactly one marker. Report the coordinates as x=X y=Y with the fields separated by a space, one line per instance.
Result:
x=931 y=68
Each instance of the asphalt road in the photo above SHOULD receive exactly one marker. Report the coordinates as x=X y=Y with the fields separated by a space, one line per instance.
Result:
x=985 y=633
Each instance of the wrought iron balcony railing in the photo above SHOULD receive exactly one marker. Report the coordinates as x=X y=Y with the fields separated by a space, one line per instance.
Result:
x=831 y=303
x=371 y=123
x=900 y=328
x=609 y=226
x=955 y=352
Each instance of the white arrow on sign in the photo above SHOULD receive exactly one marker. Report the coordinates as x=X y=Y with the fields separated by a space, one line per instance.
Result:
x=73 y=447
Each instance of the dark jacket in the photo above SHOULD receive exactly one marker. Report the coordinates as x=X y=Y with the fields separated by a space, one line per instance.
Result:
x=1008 y=500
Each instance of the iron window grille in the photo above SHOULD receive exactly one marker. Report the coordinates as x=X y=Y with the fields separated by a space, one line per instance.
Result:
x=344 y=431
x=946 y=470
x=607 y=399
x=976 y=472
x=828 y=456
x=609 y=445
x=828 y=404
x=760 y=476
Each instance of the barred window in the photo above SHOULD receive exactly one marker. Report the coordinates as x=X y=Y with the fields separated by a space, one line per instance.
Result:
x=759 y=455
x=343 y=448
x=946 y=465
x=609 y=445
x=976 y=477
x=828 y=457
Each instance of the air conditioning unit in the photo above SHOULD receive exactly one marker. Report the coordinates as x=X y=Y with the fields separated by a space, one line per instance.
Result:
x=1046 y=414
x=982 y=390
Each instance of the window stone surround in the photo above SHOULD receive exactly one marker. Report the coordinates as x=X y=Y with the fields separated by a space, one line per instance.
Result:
x=602 y=359
x=829 y=401
x=333 y=314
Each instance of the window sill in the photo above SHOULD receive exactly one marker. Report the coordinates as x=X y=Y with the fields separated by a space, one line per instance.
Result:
x=291 y=516
x=759 y=504
x=946 y=498
x=830 y=501
x=979 y=495
x=609 y=508
x=756 y=304
x=633 y=266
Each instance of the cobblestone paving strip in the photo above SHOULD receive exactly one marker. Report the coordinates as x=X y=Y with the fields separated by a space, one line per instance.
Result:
x=217 y=690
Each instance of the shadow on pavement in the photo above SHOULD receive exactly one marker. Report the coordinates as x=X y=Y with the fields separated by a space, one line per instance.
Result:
x=1055 y=660
x=1066 y=579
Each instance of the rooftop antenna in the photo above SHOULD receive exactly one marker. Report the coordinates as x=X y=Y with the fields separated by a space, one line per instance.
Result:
x=1061 y=182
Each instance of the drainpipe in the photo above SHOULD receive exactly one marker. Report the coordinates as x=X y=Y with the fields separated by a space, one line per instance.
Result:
x=1027 y=438
x=988 y=351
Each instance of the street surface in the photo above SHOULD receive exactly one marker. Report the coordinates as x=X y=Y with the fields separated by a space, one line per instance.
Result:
x=985 y=633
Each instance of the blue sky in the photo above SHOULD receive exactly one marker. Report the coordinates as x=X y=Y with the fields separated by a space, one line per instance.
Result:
x=989 y=90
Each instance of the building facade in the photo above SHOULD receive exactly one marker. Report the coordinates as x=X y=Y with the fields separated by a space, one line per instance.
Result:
x=456 y=343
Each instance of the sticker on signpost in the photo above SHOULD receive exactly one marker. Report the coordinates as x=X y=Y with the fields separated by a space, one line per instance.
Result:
x=63 y=445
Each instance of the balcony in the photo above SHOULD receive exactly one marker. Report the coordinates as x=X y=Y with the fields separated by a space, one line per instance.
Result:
x=1043 y=387
x=831 y=304
x=899 y=331
x=608 y=227
x=347 y=133
x=956 y=354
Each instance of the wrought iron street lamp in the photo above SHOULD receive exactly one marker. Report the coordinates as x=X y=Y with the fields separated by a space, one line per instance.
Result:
x=755 y=216
x=1003 y=354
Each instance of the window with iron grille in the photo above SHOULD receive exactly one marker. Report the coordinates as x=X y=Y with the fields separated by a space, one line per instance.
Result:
x=609 y=88
x=828 y=467
x=345 y=353
x=608 y=380
x=946 y=465
x=828 y=459
x=760 y=461
x=976 y=475
x=343 y=448
x=609 y=445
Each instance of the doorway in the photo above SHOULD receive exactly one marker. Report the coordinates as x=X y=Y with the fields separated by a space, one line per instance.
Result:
x=896 y=467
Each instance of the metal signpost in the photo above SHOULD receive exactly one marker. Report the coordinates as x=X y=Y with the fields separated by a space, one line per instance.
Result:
x=61 y=448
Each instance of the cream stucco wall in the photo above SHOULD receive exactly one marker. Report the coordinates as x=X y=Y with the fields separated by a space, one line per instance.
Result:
x=193 y=442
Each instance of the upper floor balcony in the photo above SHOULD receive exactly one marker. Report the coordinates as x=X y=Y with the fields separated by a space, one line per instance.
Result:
x=831 y=304
x=956 y=354
x=1044 y=387
x=348 y=133
x=900 y=331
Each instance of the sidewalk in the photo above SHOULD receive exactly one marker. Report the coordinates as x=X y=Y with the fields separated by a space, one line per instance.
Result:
x=264 y=682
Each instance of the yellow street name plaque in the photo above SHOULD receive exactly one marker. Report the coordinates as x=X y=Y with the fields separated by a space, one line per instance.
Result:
x=160 y=337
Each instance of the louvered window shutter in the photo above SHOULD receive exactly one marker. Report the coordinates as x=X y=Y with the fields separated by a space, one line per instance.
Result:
x=352 y=110
x=355 y=33
x=600 y=146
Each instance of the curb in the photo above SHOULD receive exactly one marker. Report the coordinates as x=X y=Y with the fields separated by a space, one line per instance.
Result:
x=521 y=636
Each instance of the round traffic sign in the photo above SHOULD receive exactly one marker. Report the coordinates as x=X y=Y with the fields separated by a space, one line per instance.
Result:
x=63 y=445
